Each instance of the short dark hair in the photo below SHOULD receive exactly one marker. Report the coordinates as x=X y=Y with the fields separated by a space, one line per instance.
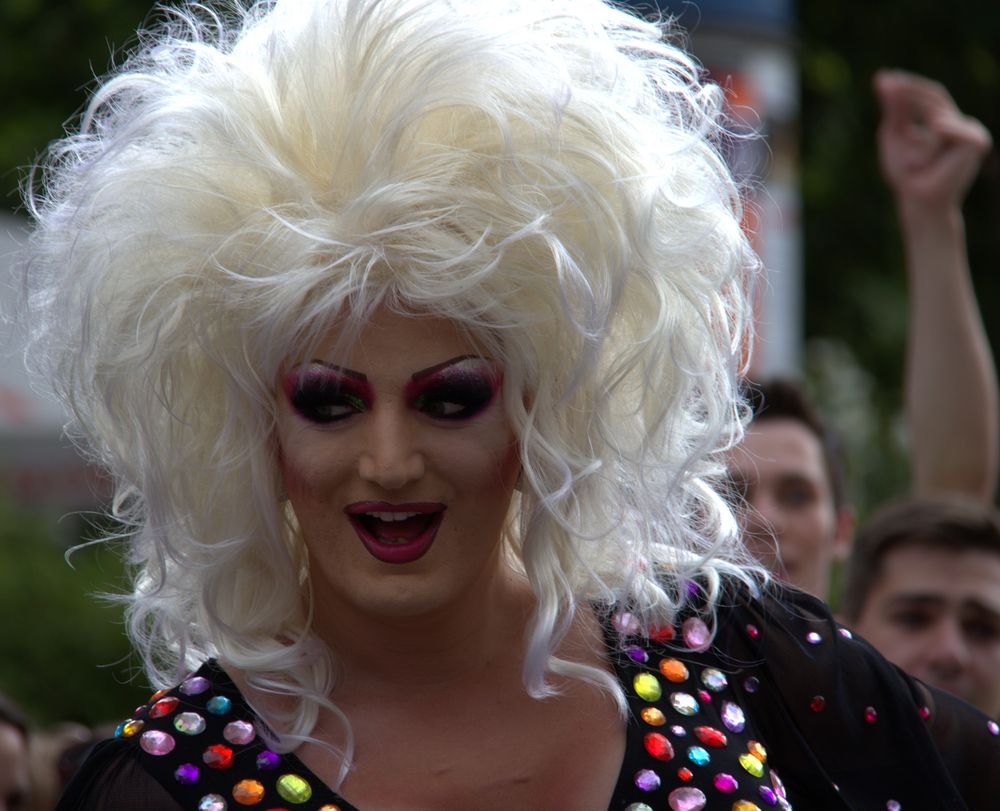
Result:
x=784 y=398
x=956 y=524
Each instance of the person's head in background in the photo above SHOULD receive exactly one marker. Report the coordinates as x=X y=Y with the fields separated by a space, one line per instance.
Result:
x=788 y=482
x=15 y=775
x=923 y=586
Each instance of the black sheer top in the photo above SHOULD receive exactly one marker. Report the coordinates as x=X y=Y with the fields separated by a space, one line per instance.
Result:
x=783 y=709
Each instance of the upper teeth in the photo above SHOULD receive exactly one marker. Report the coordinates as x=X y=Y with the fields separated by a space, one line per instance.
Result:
x=391 y=516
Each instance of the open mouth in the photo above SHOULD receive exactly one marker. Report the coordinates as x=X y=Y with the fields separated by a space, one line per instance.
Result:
x=399 y=533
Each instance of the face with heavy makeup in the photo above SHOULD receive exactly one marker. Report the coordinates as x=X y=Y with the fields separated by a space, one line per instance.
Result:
x=400 y=464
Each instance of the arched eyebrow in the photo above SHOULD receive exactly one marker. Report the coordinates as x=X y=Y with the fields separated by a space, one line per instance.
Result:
x=340 y=370
x=431 y=370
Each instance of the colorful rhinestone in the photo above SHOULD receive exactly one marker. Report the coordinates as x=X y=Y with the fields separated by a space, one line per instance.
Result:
x=219 y=705
x=698 y=755
x=813 y=638
x=674 y=670
x=757 y=750
x=745 y=805
x=132 y=727
x=647 y=687
x=714 y=679
x=725 y=783
x=817 y=703
x=268 y=760
x=653 y=716
x=686 y=799
x=751 y=684
x=710 y=736
x=294 y=789
x=753 y=631
x=684 y=773
x=212 y=802
x=248 y=792
x=187 y=774
x=217 y=756
x=658 y=746
x=733 y=717
x=636 y=654
x=768 y=795
x=662 y=633
x=638 y=807
x=189 y=723
x=239 y=732
x=892 y=805
x=646 y=780
x=871 y=716
x=195 y=686
x=164 y=706
x=684 y=703
x=155 y=742
x=751 y=764
x=696 y=634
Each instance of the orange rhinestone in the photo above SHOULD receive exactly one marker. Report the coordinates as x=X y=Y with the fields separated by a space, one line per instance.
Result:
x=674 y=670
x=248 y=792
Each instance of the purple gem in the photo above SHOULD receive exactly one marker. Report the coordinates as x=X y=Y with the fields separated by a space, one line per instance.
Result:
x=751 y=684
x=733 y=717
x=725 y=783
x=636 y=654
x=992 y=726
x=647 y=780
x=845 y=633
x=187 y=774
x=813 y=638
x=268 y=760
x=196 y=685
x=892 y=805
x=768 y=796
x=678 y=730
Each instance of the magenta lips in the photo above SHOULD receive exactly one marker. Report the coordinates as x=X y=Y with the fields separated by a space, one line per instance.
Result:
x=396 y=533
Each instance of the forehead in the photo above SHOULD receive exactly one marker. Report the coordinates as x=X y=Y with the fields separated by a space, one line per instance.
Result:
x=779 y=447
x=391 y=340
x=955 y=577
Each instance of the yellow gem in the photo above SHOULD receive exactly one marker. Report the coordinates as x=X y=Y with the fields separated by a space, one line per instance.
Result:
x=294 y=789
x=647 y=687
x=674 y=670
x=248 y=792
x=653 y=716
x=329 y=807
x=745 y=805
x=132 y=727
x=751 y=764
x=757 y=751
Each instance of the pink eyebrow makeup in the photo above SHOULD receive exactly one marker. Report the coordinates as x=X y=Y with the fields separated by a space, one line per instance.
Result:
x=455 y=390
x=323 y=393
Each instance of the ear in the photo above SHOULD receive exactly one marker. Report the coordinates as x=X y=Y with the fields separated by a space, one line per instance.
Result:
x=843 y=538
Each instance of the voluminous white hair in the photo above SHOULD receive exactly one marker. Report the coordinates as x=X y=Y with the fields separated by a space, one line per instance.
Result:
x=547 y=173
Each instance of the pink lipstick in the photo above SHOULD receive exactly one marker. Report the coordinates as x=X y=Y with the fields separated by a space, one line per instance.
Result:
x=396 y=533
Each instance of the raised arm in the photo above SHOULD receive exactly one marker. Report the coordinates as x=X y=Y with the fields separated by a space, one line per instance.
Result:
x=929 y=154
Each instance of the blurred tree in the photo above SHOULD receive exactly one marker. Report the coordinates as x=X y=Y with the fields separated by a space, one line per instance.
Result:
x=855 y=283
x=49 y=54
x=63 y=653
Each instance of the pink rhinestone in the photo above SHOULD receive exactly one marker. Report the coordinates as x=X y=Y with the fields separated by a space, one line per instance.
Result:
x=241 y=732
x=625 y=624
x=845 y=633
x=725 y=783
x=870 y=715
x=158 y=743
x=925 y=712
x=686 y=799
x=696 y=634
x=993 y=727
x=892 y=805
x=753 y=631
x=704 y=696
x=813 y=638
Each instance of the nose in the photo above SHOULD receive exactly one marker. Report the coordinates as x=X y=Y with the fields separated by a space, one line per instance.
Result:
x=391 y=457
x=947 y=650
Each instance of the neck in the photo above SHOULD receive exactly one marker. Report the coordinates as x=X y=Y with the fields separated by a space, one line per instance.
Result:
x=436 y=648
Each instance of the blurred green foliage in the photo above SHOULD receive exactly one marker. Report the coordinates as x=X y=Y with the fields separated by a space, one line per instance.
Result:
x=63 y=653
x=854 y=278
